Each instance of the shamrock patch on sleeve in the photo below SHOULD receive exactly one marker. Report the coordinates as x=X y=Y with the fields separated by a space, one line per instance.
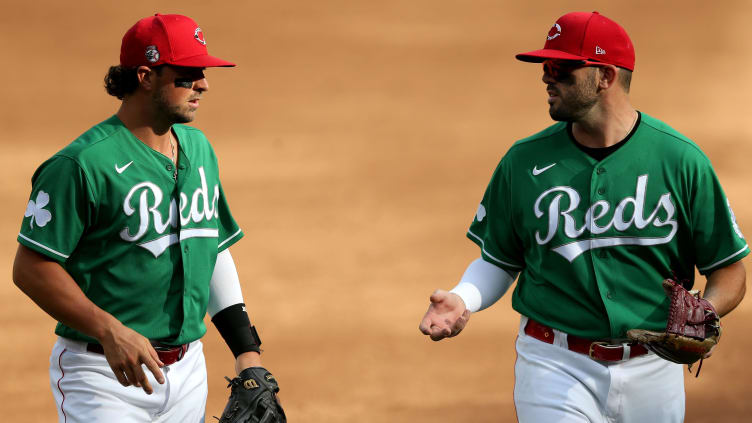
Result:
x=36 y=210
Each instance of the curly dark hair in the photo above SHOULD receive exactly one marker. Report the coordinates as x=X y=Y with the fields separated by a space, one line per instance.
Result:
x=121 y=81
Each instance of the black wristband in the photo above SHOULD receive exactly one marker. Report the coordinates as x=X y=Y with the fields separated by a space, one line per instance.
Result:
x=235 y=327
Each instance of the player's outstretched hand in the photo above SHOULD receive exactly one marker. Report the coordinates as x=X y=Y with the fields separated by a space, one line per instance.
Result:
x=446 y=316
x=125 y=350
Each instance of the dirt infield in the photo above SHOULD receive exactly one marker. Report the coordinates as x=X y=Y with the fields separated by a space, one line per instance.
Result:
x=355 y=141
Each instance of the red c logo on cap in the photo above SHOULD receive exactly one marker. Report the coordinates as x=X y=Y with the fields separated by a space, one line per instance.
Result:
x=554 y=32
x=199 y=36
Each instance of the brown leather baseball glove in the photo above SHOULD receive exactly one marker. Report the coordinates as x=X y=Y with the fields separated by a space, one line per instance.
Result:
x=692 y=330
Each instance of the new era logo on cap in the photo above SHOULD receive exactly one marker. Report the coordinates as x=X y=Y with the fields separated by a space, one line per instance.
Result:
x=585 y=36
x=167 y=39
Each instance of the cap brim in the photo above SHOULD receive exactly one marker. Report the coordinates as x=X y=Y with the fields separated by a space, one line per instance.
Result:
x=539 y=56
x=203 y=61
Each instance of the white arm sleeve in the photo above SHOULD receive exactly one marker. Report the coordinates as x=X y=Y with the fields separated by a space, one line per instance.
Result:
x=483 y=284
x=224 y=288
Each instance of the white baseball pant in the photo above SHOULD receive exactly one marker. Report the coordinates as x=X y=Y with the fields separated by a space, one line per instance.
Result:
x=86 y=390
x=554 y=384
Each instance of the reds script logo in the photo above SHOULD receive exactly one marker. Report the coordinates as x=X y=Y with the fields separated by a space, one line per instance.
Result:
x=595 y=225
x=198 y=209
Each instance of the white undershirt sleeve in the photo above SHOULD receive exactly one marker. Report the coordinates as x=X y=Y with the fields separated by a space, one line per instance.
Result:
x=483 y=284
x=224 y=288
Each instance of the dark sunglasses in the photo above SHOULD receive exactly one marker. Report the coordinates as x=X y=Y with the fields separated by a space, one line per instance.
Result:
x=562 y=69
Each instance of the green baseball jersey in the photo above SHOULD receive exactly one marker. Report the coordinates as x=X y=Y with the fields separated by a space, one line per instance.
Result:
x=141 y=244
x=593 y=240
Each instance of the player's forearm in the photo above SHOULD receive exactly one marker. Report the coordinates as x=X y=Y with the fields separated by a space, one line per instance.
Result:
x=246 y=360
x=482 y=285
x=227 y=310
x=726 y=287
x=55 y=292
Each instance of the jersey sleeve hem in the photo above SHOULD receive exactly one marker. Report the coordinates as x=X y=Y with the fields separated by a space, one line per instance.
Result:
x=733 y=258
x=41 y=248
x=489 y=257
x=230 y=240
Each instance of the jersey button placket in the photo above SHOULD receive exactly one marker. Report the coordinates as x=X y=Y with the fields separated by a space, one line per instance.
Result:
x=600 y=171
x=598 y=180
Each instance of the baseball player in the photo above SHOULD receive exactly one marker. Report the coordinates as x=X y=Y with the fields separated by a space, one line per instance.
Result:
x=125 y=241
x=590 y=215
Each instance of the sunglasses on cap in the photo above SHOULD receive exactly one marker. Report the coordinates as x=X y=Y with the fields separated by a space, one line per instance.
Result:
x=562 y=69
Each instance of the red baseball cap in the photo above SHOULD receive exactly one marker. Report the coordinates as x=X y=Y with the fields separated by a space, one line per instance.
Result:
x=167 y=39
x=591 y=37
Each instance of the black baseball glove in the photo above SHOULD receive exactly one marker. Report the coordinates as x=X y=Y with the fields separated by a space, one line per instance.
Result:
x=253 y=398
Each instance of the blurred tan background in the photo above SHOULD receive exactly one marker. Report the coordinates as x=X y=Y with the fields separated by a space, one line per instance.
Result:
x=355 y=141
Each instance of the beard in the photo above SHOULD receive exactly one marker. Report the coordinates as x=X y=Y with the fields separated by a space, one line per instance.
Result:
x=173 y=113
x=576 y=101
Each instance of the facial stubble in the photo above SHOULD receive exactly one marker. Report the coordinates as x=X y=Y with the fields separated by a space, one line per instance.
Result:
x=173 y=113
x=576 y=100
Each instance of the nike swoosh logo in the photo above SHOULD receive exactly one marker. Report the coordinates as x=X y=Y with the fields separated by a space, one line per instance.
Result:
x=122 y=169
x=537 y=171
